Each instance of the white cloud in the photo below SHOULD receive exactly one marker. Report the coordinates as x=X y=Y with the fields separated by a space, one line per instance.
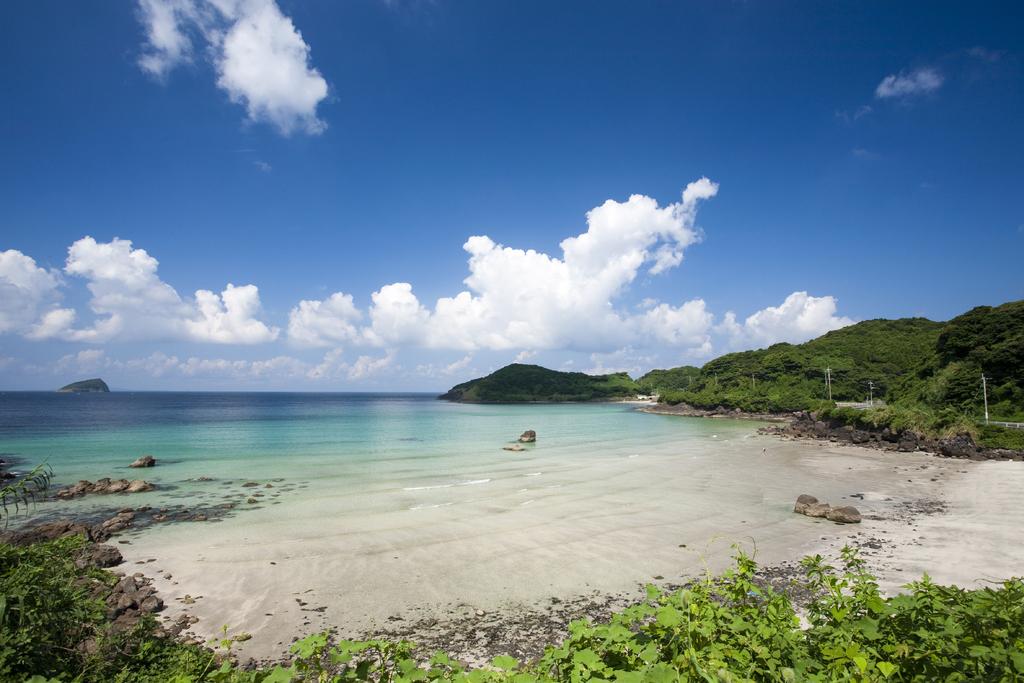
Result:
x=520 y=299
x=166 y=40
x=230 y=317
x=85 y=361
x=333 y=366
x=24 y=289
x=367 y=366
x=261 y=59
x=626 y=359
x=323 y=323
x=524 y=356
x=132 y=302
x=855 y=115
x=157 y=364
x=909 y=83
x=799 y=318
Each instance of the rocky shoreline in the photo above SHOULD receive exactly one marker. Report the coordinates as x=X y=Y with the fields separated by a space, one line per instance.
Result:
x=687 y=410
x=807 y=425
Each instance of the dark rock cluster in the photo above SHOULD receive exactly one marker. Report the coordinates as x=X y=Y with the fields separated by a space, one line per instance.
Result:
x=105 y=485
x=809 y=426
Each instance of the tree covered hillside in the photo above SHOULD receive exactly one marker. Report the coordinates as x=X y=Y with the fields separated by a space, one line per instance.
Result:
x=519 y=383
x=984 y=340
x=787 y=377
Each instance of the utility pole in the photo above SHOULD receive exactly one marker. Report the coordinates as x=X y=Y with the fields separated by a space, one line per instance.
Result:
x=984 y=392
x=828 y=381
x=871 y=393
x=753 y=382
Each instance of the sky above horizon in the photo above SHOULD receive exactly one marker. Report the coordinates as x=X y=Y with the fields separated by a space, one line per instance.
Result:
x=403 y=195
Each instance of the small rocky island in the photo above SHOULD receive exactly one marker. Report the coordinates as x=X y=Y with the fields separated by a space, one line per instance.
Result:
x=86 y=386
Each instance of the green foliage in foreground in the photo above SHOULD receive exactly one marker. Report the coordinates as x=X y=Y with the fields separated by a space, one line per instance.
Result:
x=20 y=493
x=725 y=628
x=51 y=625
x=518 y=383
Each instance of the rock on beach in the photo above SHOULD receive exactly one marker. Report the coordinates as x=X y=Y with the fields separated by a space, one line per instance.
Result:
x=105 y=485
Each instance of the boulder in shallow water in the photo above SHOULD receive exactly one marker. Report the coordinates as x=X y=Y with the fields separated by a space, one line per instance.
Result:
x=818 y=510
x=144 y=461
x=513 y=447
x=844 y=515
x=802 y=501
x=529 y=436
x=105 y=485
x=137 y=486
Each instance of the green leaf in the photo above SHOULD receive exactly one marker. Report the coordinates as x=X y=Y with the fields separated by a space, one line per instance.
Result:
x=886 y=668
x=505 y=663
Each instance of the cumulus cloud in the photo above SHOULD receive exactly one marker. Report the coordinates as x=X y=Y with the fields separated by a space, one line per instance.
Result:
x=626 y=359
x=25 y=289
x=323 y=323
x=333 y=366
x=85 y=361
x=524 y=299
x=261 y=59
x=907 y=84
x=455 y=367
x=130 y=301
x=229 y=318
x=799 y=318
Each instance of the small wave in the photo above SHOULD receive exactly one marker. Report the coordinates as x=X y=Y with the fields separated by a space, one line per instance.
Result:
x=522 y=490
x=526 y=502
x=430 y=507
x=471 y=482
x=635 y=455
x=533 y=474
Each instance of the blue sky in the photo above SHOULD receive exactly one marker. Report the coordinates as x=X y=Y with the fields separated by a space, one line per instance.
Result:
x=859 y=160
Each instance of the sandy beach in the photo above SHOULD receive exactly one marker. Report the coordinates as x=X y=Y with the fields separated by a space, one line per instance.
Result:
x=484 y=567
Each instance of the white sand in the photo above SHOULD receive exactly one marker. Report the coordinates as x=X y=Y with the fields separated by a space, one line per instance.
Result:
x=578 y=526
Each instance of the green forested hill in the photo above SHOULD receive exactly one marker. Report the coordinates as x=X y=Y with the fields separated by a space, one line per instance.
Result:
x=911 y=362
x=987 y=340
x=519 y=383
x=675 y=379
x=787 y=377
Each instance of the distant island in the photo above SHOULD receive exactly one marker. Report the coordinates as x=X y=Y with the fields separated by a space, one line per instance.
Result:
x=86 y=386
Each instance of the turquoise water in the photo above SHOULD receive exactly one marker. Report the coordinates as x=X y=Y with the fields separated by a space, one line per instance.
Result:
x=404 y=443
